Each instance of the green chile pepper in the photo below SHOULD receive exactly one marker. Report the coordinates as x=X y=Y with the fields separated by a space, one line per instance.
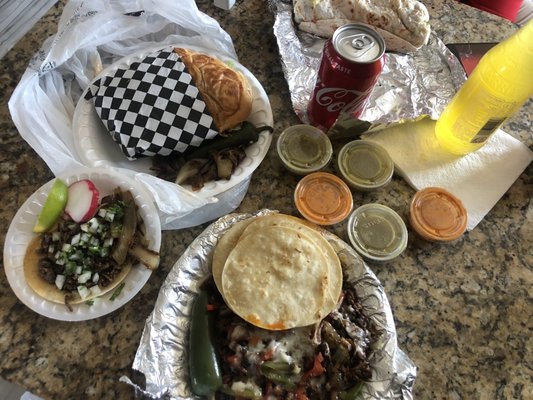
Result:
x=352 y=393
x=246 y=134
x=280 y=372
x=204 y=368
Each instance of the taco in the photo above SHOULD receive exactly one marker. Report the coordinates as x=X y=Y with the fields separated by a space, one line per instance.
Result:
x=277 y=272
x=77 y=262
x=35 y=272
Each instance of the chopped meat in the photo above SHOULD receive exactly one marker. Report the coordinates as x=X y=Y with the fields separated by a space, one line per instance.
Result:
x=299 y=366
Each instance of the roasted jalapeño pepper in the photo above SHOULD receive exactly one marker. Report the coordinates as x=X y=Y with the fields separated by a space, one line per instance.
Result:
x=246 y=134
x=204 y=368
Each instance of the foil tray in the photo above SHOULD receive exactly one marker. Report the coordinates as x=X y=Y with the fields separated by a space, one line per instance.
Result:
x=161 y=358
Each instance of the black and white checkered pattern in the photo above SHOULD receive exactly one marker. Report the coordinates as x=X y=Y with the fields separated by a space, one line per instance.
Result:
x=152 y=107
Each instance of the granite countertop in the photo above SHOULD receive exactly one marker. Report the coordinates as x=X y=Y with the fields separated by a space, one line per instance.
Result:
x=462 y=310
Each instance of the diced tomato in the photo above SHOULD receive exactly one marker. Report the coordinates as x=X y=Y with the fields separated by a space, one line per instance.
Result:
x=266 y=355
x=300 y=394
x=211 y=307
x=232 y=359
x=317 y=369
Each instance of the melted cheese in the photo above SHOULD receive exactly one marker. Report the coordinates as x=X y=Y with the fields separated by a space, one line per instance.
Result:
x=291 y=346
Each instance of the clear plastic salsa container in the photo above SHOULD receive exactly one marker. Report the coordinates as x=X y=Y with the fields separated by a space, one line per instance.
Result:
x=377 y=232
x=437 y=215
x=365 y=165
x=323 y=198
x=304 y=149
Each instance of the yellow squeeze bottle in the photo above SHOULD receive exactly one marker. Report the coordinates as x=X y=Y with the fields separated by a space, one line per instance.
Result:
x=499 y=85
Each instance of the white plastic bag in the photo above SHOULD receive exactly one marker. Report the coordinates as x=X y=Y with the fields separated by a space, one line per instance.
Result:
x=91 y=36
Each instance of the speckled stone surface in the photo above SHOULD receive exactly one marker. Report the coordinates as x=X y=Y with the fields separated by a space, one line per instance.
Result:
x=462 y=310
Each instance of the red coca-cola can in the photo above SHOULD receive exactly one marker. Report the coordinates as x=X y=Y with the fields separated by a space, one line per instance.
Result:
x=351 y=63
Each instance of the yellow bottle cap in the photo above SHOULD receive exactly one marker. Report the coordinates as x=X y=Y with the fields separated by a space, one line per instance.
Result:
x=323 y=198
x=437 y=215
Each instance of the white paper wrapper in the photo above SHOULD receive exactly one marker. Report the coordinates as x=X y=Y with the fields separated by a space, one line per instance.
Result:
x=162 y=353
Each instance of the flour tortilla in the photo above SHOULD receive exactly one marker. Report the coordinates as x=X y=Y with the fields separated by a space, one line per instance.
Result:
x=276 y=278
x=332 y=260
x=404 y=24
x=50 y=291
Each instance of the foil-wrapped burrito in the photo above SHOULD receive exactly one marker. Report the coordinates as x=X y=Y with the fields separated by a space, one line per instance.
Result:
x=162 y=356
x=411 y=85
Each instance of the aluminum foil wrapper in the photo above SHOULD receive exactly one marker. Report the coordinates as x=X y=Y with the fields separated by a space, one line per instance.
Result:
x=162 y=357
x=410 y=86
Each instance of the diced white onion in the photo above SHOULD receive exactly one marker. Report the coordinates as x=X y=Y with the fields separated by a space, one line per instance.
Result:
x=246 y=386
x=78 y=270
x=66 y=247
x=96 y=277
x=83 y=278
x=60 y=281
x=83 y=292
x=75 y=239
x=95 y=290
x=93 y=225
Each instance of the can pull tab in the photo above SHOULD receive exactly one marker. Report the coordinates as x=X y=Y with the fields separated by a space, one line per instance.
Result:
x=361 y=43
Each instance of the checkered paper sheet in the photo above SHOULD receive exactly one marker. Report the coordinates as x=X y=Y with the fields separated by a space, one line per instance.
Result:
x=152 y=107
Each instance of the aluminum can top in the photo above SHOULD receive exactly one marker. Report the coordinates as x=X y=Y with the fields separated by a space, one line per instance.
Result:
x=358 y=43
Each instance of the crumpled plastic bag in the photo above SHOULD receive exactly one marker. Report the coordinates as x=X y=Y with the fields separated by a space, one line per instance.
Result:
x=91 y=36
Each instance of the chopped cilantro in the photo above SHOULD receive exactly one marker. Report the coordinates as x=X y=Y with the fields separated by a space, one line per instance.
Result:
x=117 y=291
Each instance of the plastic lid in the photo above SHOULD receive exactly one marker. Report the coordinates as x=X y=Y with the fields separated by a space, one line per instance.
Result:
x=365 y=165
x=323 y=198
x=437 y=215
x=304 y=149
x=377 y=232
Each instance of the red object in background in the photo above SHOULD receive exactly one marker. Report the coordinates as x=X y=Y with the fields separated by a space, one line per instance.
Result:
x=469 y=54
x=350 y=66
x=507 y=9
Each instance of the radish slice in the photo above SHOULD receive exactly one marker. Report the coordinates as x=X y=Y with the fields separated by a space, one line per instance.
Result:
x=82 y=204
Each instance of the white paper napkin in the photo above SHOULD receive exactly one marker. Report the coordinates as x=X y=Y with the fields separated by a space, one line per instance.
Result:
x=479 y=179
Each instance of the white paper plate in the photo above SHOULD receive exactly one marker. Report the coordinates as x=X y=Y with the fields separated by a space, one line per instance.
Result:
x=20 y=234
x=96 y=148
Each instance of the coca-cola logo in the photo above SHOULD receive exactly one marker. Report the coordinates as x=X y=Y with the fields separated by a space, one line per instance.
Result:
x=339 y=99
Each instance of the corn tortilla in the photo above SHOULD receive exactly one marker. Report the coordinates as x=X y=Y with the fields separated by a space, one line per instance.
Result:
x=276 y=278
x=224 y=246
x=50 y=291
x=333 y=262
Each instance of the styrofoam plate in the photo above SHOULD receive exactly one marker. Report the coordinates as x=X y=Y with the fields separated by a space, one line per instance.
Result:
x=96 y=148
x=20 y=234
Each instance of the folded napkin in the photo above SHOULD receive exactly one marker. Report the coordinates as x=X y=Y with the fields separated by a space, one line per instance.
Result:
x=479 y=179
